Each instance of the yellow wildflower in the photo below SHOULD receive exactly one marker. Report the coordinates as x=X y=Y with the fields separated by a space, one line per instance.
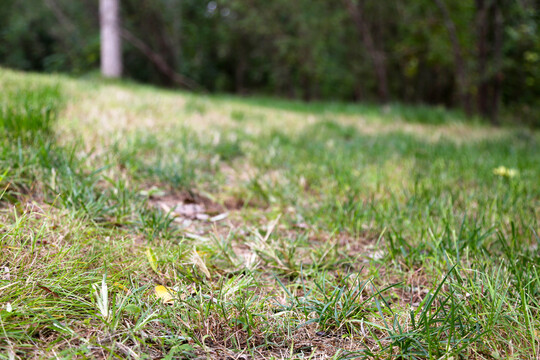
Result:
x=505 y=172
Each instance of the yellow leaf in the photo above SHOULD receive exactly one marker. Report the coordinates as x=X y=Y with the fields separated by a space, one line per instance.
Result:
x=122 y=287
x=152 y=259
x=165 y=294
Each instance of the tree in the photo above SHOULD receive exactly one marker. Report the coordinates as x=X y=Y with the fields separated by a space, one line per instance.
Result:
x=489 y=37
x=377 y=56
x=462 y=76
x=111 y=45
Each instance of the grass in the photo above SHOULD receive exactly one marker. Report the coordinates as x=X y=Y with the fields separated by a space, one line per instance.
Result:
x=280 y=230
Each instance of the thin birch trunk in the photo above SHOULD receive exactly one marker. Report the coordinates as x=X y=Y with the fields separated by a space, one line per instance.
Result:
x=111 y=44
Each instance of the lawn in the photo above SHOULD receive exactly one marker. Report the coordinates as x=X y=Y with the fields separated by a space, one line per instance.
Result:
x=145 y=223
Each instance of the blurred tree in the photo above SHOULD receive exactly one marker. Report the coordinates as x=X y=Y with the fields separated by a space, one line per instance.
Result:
x=373 y=46
x=111 y=44
x=462 y=76
x=489 y=35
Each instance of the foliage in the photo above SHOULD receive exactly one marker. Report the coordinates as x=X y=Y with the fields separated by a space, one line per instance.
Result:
x=302 y=49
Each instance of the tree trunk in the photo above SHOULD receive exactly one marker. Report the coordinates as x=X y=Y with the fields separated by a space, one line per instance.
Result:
x=497 y=62
x=376 y=55
x=240 y=72
x=489 y=32
x=111 y=45
x=175 y=7
x=461 y=70
x=482 y=55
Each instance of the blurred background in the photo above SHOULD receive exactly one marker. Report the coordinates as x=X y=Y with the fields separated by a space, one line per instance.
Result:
x=480 y=56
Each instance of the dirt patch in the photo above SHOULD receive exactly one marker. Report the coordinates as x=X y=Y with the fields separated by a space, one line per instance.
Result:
x=234 y=203
x=188 y=204
x=304 y=343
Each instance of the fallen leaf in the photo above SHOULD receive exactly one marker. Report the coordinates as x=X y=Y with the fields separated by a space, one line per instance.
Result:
x=46 y=289
x=301 y=225
x=164 y=294
x=219 y=217
x=190 y=211
x=7 y=274
x=122 y=287
x=165 y=207
x=202 y=217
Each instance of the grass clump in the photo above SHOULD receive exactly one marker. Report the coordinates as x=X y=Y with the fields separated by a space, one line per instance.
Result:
x=29 y=113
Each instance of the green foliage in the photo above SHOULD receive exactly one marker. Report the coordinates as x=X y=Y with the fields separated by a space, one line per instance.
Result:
x=303 y=49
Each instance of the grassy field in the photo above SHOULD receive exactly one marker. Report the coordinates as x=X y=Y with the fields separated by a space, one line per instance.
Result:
x=150 y=224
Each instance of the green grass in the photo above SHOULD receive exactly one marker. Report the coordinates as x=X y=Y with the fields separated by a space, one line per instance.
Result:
x=282 y=230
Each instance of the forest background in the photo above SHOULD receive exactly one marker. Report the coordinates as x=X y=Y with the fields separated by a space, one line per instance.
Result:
x=481 y=56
